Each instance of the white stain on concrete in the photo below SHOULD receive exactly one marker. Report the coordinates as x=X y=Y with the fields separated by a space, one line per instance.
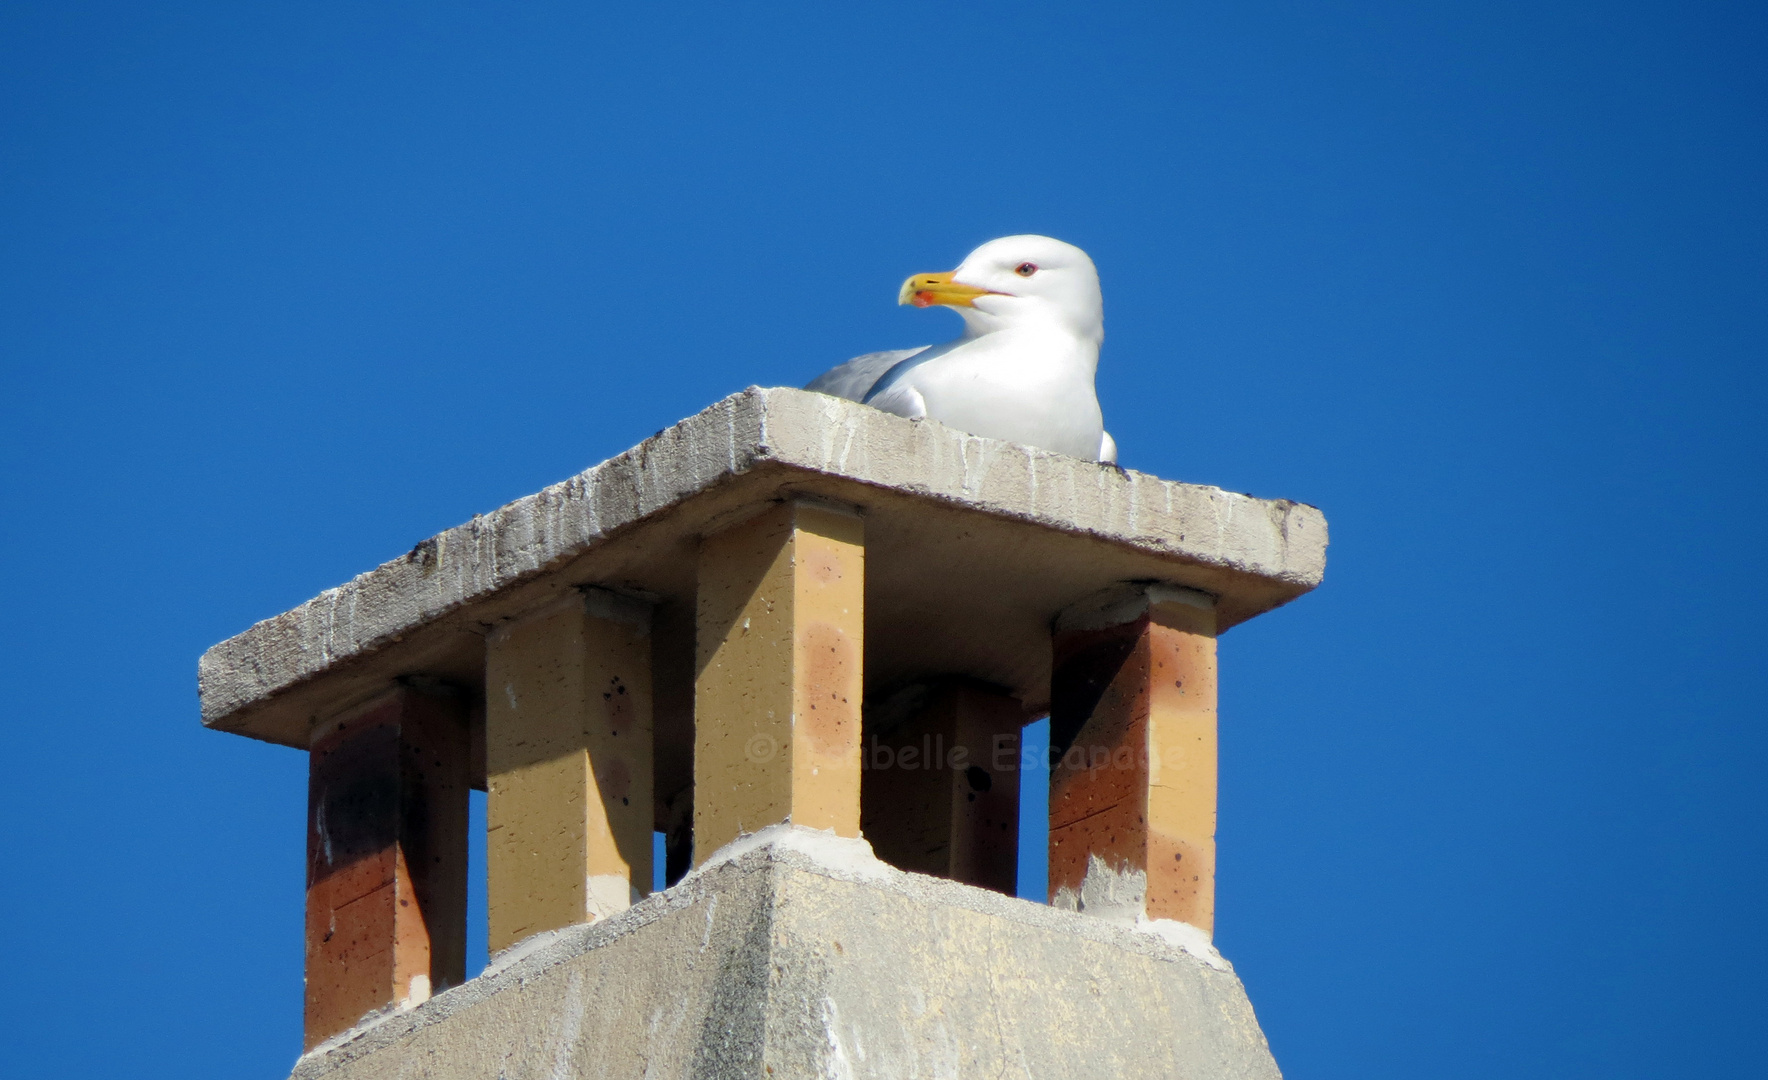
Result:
x=848 y=857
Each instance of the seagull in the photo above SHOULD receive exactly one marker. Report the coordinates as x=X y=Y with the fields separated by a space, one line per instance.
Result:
x=1023 y=368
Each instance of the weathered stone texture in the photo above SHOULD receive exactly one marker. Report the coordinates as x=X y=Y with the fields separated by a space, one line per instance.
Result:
x=783 y=964
x=1018 y=510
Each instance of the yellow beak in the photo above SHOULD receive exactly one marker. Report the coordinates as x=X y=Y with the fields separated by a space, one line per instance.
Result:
x=925 y=290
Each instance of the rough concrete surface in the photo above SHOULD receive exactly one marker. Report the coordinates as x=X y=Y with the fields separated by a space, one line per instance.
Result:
x=954 y=521
x=780 y=961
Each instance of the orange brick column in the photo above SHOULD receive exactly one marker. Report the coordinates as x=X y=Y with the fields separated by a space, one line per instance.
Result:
x=940 y=793
x=778 y=682
x=1133 y=739
x=386 y=858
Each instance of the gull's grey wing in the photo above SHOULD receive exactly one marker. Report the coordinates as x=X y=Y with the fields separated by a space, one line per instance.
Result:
x=855 y=379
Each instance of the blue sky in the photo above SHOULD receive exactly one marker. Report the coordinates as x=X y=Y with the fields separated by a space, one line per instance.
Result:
x=286 y=288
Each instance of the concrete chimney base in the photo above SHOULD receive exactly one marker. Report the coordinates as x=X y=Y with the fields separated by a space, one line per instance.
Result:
x=795 y=954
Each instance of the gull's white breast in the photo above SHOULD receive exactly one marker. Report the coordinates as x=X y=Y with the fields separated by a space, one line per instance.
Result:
x=1026 y=386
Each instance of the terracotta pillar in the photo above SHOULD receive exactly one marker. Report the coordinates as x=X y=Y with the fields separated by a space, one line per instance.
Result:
x=568 y=760
x=386 y=858
x=777 y=689
x=1133 y=741
x=941 y=789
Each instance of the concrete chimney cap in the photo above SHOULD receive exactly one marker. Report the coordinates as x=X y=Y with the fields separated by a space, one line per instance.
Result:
x=973 y=547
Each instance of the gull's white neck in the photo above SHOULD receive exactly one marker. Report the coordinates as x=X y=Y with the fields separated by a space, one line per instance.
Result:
x=996 y=314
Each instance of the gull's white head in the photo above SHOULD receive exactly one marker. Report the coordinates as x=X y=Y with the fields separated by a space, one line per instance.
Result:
x=1018 y=281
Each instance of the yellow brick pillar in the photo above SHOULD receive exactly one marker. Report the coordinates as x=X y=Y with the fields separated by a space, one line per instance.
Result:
x=778 y=683
x=1133 y=738
x=568 y=765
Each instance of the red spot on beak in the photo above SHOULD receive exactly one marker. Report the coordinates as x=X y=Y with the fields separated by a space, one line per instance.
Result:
x=922 y=299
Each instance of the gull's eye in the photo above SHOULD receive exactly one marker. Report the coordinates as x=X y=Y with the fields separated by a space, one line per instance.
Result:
x=1025 y=269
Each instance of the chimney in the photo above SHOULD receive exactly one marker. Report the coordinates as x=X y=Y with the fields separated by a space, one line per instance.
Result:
x=799 y=637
